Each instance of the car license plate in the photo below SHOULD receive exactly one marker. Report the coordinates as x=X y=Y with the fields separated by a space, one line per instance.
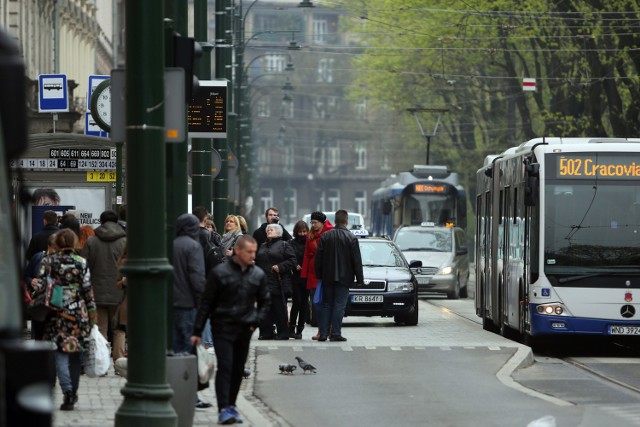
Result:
x=624 y=330
x=423 y=280
x=367 y=298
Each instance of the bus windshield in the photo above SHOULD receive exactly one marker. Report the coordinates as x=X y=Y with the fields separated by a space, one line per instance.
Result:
x=592 y=227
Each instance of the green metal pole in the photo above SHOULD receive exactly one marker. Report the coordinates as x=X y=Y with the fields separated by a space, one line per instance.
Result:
x=146 y=392
x=201 y=185
x=222 y=59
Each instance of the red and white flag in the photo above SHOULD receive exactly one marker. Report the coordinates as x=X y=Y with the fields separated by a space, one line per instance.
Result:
x=528 y=84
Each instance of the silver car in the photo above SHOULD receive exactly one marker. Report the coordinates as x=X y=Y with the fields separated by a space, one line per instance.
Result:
x=444 y=256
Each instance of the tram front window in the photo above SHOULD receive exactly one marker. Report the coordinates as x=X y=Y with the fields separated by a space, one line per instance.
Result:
x=591 y=228
x=419 y=208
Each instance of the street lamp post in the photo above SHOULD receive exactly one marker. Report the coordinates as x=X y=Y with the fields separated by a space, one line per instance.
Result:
x=427 y=137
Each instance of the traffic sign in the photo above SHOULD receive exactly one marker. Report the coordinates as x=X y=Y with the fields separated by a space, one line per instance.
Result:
x=91 y=127
x=53 y=96
x=528 y=84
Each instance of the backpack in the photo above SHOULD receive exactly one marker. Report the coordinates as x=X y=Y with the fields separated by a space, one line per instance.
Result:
x=215 y=256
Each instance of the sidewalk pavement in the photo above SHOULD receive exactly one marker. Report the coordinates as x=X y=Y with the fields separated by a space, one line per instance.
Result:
x=100 y=398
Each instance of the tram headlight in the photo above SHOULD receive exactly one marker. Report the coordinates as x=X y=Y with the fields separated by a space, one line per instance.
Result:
x=551 y=309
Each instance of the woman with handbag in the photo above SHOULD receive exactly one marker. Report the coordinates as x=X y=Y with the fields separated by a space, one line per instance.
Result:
x=69 y=327
x=277 y=259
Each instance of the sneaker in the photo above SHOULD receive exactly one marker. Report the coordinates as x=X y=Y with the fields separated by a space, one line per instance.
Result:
x=337 y=338
x=226 y=416
x=202 y=405
x=236 y=414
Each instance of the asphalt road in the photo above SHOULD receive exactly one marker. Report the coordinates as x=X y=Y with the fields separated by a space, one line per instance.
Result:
x=447 y=371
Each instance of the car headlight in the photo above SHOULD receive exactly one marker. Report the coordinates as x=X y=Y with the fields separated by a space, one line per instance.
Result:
x=400 y=286
x=445 y=270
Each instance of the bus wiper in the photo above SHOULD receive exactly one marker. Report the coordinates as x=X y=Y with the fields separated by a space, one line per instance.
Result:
x=375 y=265
x=584 y=276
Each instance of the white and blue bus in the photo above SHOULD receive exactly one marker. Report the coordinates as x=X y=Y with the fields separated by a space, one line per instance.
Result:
x=427 y=193
x=558 y=239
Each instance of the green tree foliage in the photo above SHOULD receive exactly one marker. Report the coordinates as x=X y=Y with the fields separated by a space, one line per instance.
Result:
x=470 y=57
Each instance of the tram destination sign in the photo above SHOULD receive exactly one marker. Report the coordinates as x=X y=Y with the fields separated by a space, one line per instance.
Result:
x=604 y=166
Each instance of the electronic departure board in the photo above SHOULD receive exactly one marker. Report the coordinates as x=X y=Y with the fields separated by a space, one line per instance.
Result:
x=207 y=115
x=607 y=166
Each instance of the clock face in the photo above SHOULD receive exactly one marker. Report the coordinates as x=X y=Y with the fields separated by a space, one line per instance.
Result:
x=101 y=105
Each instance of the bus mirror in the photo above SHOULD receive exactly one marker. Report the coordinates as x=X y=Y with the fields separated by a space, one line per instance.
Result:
x=488 y=172
x=386 y=207
x=532 y=173
x=13 y=106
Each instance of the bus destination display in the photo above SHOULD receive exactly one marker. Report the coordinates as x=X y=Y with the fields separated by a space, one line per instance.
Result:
x=590 y=166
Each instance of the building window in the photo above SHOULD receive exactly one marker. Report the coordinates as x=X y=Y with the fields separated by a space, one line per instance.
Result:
x=274 y=63
x=319 y=111
x=287 y=108
x=385 y=163
x=319 y=158
x=325 y=70
x=266 y=199
x=264 y=158
x=361 y=202
x=361 y=158
x=333 y=198
x=320 y=31
x=262 y=109
x=288 y=159
x=333 y=156
x=361 y=109
x=291 y=203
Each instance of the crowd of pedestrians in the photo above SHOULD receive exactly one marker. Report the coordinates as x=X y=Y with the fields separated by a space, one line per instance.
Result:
x=224 y=288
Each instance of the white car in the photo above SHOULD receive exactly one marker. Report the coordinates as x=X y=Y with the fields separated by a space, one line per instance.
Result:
x=444 y=256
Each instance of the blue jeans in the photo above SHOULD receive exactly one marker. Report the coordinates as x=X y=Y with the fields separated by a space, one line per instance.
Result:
x=68 y=370
x=207 y=338
x=334 y=301
x=183 y=321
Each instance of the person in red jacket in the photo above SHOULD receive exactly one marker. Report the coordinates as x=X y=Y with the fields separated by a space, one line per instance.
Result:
x=319 y=225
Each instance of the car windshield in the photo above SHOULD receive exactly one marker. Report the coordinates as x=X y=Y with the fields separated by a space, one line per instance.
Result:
x=380 y=254
x=424 y=240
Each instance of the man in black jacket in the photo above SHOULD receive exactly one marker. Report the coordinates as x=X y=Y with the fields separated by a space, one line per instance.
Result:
x=337 y=263
x=272 y=218
x=40 y=241
x=229 y=300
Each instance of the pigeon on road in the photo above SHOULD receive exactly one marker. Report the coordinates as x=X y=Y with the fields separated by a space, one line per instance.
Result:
x=286 y=369
x=306 y=366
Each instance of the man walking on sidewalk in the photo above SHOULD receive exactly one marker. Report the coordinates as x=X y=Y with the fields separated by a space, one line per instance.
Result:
x=229 y=300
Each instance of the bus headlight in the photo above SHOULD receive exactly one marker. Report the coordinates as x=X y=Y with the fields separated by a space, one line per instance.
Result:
x=551 y=309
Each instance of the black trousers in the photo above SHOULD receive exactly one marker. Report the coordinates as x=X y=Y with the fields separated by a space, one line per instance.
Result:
x=231 y=354
x=278 y=316
x=300 y=303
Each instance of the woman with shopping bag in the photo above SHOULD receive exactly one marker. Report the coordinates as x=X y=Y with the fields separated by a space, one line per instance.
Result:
x=69 y=327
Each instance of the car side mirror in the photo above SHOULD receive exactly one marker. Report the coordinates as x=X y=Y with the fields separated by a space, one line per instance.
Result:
x=415 y=263
x=462 y=250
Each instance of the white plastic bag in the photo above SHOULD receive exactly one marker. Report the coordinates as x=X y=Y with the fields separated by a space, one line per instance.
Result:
x=205 y=364
x=96 y=360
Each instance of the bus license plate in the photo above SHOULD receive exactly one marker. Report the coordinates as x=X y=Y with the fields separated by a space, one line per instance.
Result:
x=624 y=330
x=367 y=298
